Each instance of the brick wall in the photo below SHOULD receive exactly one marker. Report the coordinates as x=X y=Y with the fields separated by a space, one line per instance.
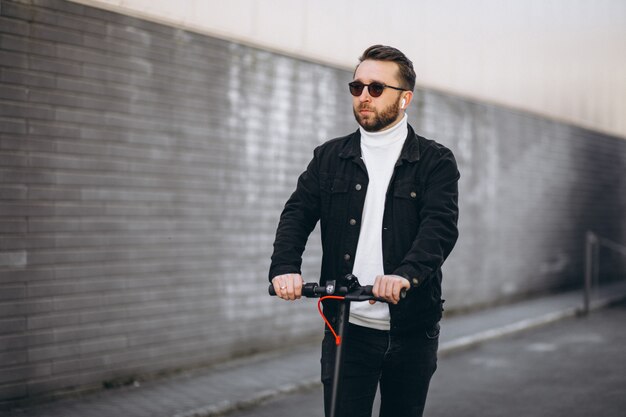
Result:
x=143 y=169
x=530 y=190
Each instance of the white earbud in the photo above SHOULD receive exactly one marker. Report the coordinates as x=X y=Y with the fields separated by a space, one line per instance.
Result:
x=403 y=103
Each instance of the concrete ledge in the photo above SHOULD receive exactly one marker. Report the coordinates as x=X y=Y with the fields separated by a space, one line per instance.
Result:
x=467 y=342
x=225 y=407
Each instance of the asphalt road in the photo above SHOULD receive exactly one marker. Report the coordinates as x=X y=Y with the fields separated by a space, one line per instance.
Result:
x=576 y=367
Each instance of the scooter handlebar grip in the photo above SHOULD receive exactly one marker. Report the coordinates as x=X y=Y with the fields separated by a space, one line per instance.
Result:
x=367 y=289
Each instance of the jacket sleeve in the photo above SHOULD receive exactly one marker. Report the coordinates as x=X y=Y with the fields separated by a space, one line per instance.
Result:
x=437 y=232
x=297 y=221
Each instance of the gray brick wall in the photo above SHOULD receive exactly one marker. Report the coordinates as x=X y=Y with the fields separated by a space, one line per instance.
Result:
x=530 y=189
x=143 y=169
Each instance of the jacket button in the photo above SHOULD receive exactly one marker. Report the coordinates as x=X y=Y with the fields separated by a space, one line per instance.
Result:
x=352 y=222
x=415 y=281
x=357 y=187
x=413 y=194
x=346 y=257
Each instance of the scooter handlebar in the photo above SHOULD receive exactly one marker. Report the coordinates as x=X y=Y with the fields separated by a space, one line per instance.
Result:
x=314 y=290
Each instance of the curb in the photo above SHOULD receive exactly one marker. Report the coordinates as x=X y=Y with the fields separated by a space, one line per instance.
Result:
x=225 y=407
x=467 y=342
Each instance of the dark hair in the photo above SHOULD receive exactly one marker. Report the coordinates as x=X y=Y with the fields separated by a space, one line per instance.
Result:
x=388 y=53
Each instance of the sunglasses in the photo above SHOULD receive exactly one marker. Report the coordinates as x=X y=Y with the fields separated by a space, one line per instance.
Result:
x=375 y=89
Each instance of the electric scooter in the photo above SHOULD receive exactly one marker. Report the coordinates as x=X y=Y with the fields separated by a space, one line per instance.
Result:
x=345 y=291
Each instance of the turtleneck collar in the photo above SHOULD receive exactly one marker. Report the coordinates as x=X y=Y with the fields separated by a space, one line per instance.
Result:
x=385 y=137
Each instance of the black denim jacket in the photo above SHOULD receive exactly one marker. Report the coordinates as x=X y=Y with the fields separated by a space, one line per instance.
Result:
x=419 y=222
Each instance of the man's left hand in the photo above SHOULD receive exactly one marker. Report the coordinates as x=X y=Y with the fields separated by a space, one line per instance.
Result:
x=388 y=287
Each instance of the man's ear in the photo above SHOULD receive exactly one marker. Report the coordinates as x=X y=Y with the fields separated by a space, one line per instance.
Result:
x=407 y=96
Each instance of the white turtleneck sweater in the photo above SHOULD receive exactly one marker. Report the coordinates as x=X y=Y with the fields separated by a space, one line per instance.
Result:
x=380 y=152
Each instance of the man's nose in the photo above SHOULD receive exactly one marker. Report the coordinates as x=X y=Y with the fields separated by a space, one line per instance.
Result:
x=365 y=94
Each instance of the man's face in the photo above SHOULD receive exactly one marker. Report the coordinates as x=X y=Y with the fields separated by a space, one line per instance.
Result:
x=377 y=113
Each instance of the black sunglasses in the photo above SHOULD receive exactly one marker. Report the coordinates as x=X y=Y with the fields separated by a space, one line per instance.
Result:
x=375 y=89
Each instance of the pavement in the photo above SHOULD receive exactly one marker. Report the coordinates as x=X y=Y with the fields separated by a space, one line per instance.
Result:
x=253 y=381
x=575 y=367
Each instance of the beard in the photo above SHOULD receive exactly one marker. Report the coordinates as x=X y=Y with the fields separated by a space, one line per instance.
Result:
x=377 y=121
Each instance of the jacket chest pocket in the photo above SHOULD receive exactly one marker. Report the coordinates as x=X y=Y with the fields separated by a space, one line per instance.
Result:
x=407 y=201
x=334 y=194
x=411 y=191
x=336 y=185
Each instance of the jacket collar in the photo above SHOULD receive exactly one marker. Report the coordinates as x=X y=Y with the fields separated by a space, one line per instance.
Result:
x=410 y=150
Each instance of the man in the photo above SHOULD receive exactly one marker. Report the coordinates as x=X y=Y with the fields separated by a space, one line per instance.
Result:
x=386 y=200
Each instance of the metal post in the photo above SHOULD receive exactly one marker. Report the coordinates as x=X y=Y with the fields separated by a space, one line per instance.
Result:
x=342 y=327
x=595 y=275
x=589 y=269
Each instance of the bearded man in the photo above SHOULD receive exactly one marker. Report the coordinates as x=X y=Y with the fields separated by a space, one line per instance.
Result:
x=387 y=202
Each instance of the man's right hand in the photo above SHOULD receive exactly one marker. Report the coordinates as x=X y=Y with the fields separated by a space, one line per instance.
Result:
x=288 y=286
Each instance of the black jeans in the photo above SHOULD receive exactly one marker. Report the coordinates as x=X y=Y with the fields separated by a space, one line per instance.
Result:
x=402 y=365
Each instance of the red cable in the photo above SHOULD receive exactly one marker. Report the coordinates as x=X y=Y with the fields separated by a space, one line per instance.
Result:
x=319 y=308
